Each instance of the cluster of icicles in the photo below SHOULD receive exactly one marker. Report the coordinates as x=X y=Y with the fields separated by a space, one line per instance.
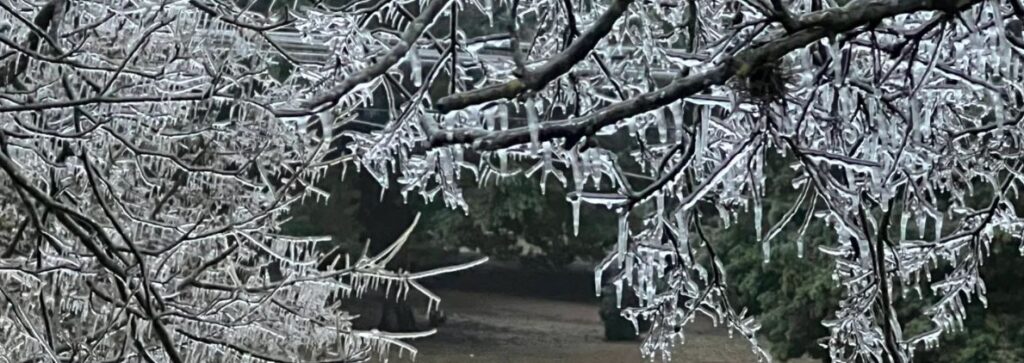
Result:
x=937 y=168
x=172 y=158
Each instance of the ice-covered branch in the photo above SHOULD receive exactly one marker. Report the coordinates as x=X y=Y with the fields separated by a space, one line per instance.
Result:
x=150 y=152
x=535 y=79
x=810 y=27
x=406 y=42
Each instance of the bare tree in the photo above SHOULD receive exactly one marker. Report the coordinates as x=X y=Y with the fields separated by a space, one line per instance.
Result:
x=146 y=174
x=154 y=146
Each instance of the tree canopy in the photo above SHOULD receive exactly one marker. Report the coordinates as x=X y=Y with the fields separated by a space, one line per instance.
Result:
x=151 y=151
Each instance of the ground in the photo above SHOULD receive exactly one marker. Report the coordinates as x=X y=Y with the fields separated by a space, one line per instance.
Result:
x=494 y=328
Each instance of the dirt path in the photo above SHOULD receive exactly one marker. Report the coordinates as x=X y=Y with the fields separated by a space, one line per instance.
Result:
x=491 y=328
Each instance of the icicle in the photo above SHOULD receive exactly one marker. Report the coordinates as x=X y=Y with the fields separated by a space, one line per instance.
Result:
x=579 y=180
x=618 y=294
x=547 y=167
x=698 y=154
x=683 y=235
x=662 y=126
x=725 y=215
x=836 y=53
x=676 y=111
x=502 y=114
x=659 y=200
x=416 y=67
x=623 y=237
x=575 y=217
x=489 y=120
x=489 y=10
x=922 y=223
x=503 y=161
x=904 y=221
x=766 y=245
x=503 y=125
x=800 y=246
x=533 y=124
x=629 y=272
x=803 y=228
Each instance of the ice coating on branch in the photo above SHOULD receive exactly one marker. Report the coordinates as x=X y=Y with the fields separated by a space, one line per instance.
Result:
x=165 y=144
x=861 y=132
x=212 y=116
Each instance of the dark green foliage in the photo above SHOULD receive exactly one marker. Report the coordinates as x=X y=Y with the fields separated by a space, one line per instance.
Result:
x=995 y=334
x=791 y=295
x=510 y=221
x=505 y=219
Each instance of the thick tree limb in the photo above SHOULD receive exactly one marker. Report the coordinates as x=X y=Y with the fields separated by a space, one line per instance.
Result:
x=813 y=26
x=554 y=68
x=103 y=100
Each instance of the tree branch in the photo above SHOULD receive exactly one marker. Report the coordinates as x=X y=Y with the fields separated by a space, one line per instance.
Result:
x=815 y=25
x=408 y=39
x=555 y=67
